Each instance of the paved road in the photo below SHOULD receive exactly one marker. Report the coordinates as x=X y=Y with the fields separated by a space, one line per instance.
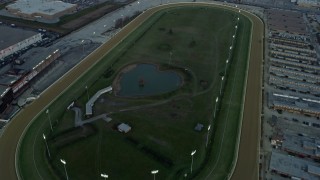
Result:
x=14 y=130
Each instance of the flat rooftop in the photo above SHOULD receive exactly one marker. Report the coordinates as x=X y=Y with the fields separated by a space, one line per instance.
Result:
x=286 y=21
x=7 y=80
x=291 y=83
x=301 y=145
x=10 y=36
x=293 y=166
x=29 y=62
x=39 y=6
x=3 y=90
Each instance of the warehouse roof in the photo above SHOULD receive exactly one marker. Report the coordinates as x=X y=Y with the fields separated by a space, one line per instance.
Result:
x=29 y=63
x=7 y=80
x=293 y=166
x=3 y=90
x=301 y=145
x=286 y=21
x=39 y=6
x=10 y=36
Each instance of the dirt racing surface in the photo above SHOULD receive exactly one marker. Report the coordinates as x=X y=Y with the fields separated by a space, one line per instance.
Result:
x=247 y=164
x=248 y=155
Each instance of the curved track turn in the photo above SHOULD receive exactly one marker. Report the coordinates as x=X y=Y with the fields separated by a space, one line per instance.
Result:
x=247 y=163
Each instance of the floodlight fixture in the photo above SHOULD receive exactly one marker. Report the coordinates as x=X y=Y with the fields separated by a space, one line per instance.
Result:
x=63 y=161
x=104 y=176
x=192 y=153
x=154 y=171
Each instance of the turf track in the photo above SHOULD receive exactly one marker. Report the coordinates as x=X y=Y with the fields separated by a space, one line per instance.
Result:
x=247 y=163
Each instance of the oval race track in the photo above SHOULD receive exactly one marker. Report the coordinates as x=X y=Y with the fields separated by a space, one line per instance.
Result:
x=246 y=166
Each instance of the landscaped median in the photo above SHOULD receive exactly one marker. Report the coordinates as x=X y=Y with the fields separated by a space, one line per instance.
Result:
x=163 y=134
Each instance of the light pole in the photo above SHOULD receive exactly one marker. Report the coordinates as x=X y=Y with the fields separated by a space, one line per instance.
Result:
x=122 y=20
x=105 y=176
x=47 y=111
x=221 y=84
x=87 y=92
x=215 y=107
x=65 y=169
x=192 y=153
x=170 y=57
x=154 y=172
x=82 y=42
x=225 y=69
x=44 y=137
x=208 y=135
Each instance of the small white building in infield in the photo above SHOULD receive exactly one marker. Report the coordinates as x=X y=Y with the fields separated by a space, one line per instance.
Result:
x=124 y=128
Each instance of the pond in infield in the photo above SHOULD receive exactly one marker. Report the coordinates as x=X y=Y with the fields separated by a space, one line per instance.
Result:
x=147 y=80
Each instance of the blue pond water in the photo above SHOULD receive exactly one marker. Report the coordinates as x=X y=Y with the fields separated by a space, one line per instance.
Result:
x=147 y=80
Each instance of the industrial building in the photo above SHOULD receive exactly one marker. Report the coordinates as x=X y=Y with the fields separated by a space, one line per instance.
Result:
x=15 y=81
x=292 y=74
x=293 y=63
x=309 y=3
x=19 y=77
x=293 y=90
x=6 y=96
x=34 y=9
x=295 y=85
x=302 y=146
x=294 y=104
x=15 y=39
x=286 y=21
x=294 y=167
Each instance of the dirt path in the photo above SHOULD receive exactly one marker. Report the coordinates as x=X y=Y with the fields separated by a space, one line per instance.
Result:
x=14 y=130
